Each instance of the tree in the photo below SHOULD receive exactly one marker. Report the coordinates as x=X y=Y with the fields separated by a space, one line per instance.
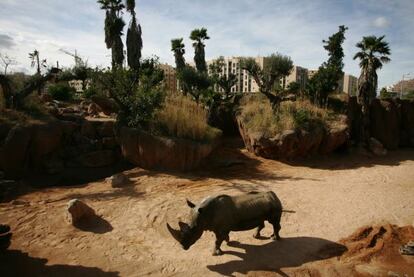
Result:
x=35 y=61
x=177 y=46
x=225 y=82
x=329 y=74
x=114 y=24
x=7 y=61
x=374 y=52
x=199 y=36
x=275 y=67
x=134 y=38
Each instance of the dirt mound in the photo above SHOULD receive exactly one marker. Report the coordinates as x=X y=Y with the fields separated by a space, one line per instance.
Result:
x=380 y=243
x=375 y=249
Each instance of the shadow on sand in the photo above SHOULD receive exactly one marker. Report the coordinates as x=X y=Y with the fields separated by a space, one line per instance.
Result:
x=17 y=263
x=96 y=225
x=273 y=256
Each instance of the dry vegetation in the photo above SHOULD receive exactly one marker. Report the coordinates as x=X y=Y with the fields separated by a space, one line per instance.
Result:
x=258 y=116
x=182 y=117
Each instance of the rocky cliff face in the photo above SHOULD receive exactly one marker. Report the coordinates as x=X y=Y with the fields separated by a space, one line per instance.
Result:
x=291 y=144
x=154 y=152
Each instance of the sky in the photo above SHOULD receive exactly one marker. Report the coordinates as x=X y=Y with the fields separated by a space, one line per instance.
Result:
x=236 y=28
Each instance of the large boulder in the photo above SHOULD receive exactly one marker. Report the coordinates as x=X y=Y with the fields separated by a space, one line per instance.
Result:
x=13 y=154
x=107 y=105
x=407 y=123
x=78 y=212
x=155 y=152
x=385 y=123
x=46 y=138
x=336 y=136
x=292 y=144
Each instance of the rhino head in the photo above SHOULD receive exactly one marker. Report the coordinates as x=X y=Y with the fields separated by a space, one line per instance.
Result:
x=191 y=232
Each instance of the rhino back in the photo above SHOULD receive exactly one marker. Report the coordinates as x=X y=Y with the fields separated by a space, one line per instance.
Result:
x=243 y=212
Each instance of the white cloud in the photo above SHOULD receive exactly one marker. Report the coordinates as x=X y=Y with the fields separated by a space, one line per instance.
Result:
x=381 y=22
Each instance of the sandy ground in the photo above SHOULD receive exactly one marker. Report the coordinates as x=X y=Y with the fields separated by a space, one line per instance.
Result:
x=332 y=197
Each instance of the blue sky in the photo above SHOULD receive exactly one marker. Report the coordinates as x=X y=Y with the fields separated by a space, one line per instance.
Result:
x=236 y=28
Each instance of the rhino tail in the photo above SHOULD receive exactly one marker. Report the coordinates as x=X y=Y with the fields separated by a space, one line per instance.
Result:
x=288 y=211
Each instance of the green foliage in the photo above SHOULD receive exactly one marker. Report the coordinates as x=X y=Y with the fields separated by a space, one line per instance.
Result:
x=409 y=95
x=293 y=87
x=193 y=82
x=114 y=24
x=275 y=67
x=134 y=44
x=326 y=80
x=199 y=36
x=258 y=115
x=384 y=94
x=137 y=97
x=61 y=92
x=221 y=80
x=374 y=53
x=177 y=46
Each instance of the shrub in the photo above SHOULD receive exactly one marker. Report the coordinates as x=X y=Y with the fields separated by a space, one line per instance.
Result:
x=138 y=96
x=61 y=92
x=258 y=116
x=182 y=117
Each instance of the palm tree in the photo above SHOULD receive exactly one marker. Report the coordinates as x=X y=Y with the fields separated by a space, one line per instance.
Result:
x=114 y=24
x=374 y=53
x=34 y=57
x=177 y=46
x=199 y=36
x=134 y=38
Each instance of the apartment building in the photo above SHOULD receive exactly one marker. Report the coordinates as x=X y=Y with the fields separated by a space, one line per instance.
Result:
x=299 y=75
x=350 y=84
x=245 y=82
x=170 y=77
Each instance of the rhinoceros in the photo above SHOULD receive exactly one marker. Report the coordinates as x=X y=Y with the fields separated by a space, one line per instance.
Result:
x=223 y=213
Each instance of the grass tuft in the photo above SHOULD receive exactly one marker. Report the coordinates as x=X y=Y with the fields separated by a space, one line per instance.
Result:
x=182 y=117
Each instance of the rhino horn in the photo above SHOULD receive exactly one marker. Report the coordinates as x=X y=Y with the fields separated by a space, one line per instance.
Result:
x=175 y=233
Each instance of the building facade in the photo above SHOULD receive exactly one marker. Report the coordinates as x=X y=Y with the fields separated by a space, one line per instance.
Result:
x=170 y=77
x=350 y=84
x=299 y=75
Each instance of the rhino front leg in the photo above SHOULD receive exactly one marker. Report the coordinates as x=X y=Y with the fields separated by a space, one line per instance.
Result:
x=219 y=239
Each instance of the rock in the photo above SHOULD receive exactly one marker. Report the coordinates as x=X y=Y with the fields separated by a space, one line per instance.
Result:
x=376 y=147
x=148 y=151
x=69 y=127
x=46 y=139
x=335 y=137
x=109 y=143
x=407 y=123
x=119 y=180
x=88 y=129
x=53 y=166
x=99 y=158
x=14 y=154
x=71 y=117
x=108 y=106
x=4 y=130
x=94 y=109
x=385 y=123
x=46 y=97
x=106 y=128
x=78 y=212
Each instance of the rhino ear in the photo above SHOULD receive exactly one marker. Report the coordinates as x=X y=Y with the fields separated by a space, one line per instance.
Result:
x=190 y=204
x=200 y=210
x=183 y=226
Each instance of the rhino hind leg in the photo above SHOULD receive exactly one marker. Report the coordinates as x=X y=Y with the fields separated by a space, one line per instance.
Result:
x=276 y=227
x=259 y=228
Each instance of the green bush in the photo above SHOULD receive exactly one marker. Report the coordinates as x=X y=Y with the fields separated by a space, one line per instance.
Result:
x=137 y=95
x=61 y=92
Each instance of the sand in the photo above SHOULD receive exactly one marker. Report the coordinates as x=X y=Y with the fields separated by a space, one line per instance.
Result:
x=331 y=196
